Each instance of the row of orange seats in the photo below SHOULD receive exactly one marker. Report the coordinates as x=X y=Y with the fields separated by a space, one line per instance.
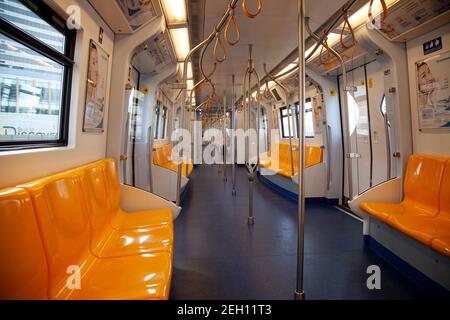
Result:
x=66 y=237
x=162 y=157
x=313 y=156
x=424 y=214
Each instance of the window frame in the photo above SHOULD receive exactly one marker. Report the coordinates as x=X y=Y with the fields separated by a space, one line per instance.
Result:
x=66 y=59
x=296 y=134
x=284 y=135
x=164 y=118
x=156 y=122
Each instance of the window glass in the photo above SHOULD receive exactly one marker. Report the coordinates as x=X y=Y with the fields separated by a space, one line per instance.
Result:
x=30 y=93
x=309 y=121
x=23 y=18
x=34 y=76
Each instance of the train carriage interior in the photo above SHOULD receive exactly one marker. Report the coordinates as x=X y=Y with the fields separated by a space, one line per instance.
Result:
x=224 y=149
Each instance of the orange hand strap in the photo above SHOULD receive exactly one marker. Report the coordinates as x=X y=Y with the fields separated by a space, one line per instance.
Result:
x=247 y=13
x=267 y=91
x=327 y=48
x=385 y=11
x=222 y=48
x=347 y=24
x=236 y=28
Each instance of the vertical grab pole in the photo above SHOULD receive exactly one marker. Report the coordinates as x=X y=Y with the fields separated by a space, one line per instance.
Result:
x=388 y=146
x=288 y=109
x=224 y=137
x=299 y=292
x=150 y=157
x=233 y=137
x=258 y=117
x=124 y=156
x=206 y=41
x=251 y=218
x=345 y=118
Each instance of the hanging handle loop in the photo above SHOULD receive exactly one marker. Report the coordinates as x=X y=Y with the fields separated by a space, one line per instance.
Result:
x=222 y=48
x=385 y=11
x=232 y=18
x=249 y=14
x=267 y=91
x=350 y=29
x=327 y=48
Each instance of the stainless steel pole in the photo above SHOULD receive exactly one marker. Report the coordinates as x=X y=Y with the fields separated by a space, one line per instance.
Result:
x=233 y=136
x=224 y=137
x=299 y=292
x=251 y=176
x=206 y=41
x=345 y=120
x=289 y=114
x=124 y=156
x=150 y=157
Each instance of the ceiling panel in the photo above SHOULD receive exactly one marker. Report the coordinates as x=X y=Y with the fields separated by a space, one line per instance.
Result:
x=272 y=34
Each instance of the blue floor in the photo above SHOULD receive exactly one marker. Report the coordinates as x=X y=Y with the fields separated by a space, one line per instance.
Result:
x=218 y=256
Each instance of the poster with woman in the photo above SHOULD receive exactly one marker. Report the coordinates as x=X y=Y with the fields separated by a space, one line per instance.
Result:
x=433 y=94
x=94 y=111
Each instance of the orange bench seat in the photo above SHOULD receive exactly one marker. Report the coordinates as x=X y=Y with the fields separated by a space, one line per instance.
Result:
x=424 y=214
x=162 y=155
x=441 y=245
x=314 y=156
x=68 y=218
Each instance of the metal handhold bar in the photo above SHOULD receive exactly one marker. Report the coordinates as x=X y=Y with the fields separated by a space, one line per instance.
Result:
x=233 y=136
x=299 y=292
x=344 y=118
x=247 y=101
x=224 y=137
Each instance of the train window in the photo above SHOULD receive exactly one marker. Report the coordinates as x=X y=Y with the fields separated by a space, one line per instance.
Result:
x=36 y=60
x=309 y=121
x=383 y=106
x=161 y=114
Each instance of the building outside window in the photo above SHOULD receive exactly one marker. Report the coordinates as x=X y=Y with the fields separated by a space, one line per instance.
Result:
x=309 y=121
x=36 y=59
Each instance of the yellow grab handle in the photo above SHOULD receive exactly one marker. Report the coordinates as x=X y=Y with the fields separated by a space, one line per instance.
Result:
x=350 y=28
x=247 y=13
x=222 y=47
x=236 y=27
x=385 y=11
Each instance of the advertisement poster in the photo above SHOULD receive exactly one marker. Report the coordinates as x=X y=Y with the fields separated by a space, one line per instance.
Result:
x=137 y=12
x=94 y=111
x=433 y=95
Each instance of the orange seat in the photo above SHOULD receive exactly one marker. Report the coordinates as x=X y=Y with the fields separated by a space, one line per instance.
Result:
x=63 y=219
x=382 y=211
x=106 y=241
x=424 y=214
x=421 y=190
x=423 y=229
x=162 y=158
x=313 y=156
x=24 y=273
x=441 y=245
x=122 y=220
